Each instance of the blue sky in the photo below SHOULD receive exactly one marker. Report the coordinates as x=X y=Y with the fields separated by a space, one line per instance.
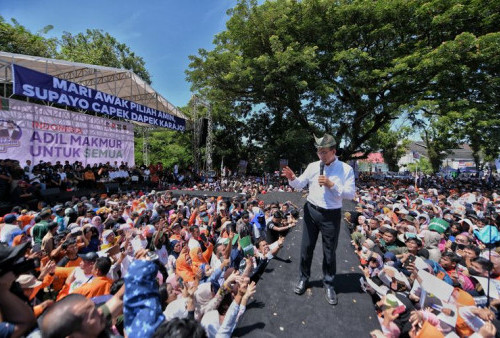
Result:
x=164 y=32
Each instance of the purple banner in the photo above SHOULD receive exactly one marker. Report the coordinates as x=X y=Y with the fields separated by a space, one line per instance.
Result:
x=40 y=133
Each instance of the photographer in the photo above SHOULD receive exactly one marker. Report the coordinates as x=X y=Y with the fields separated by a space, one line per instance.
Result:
x=276 y=227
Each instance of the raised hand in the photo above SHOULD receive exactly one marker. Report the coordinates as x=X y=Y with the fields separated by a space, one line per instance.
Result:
x=288 y=173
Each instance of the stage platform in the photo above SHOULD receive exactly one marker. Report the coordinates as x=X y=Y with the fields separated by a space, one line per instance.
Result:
x=276 y=311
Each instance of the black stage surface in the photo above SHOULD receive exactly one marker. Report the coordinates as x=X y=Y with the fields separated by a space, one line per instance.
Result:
x=276 y=311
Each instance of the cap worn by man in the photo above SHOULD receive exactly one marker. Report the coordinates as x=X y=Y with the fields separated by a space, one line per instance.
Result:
x=28 y=281
x=10 y=219
x=89 y=257
x=326 y=141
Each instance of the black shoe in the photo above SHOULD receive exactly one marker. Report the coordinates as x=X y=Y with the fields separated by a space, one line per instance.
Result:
x=300 y=287
x=330 y=295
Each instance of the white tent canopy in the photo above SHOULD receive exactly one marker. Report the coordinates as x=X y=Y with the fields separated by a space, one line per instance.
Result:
x=121 y=83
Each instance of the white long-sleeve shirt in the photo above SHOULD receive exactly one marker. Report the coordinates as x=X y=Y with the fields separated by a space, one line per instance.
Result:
x=338 y=172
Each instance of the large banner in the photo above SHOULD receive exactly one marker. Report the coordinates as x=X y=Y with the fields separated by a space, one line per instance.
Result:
x=41 y=133
x=30 y=83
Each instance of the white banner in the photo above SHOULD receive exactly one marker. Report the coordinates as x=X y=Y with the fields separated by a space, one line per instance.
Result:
x=42 y=133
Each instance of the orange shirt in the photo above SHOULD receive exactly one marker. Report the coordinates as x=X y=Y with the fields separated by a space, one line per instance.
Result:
x=73 y=263
x=192 y=218
x=463 y=299
x=61 y=274
x=98 y=286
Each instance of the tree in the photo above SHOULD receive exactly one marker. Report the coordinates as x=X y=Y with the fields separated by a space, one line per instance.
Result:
x=460 y=74
x=394 y=144
x=166 y=146
x=439 y=142
x=422 y=165
x=100 y=48
x=15 y=38
x=347 y=67
x=93 y=47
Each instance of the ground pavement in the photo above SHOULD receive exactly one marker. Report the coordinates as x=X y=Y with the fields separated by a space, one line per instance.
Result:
x=276 y=311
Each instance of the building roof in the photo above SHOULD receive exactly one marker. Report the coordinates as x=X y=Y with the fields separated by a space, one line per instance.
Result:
x=463 y=152
x=121 y=83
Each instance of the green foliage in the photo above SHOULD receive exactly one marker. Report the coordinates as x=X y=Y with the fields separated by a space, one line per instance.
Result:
x=422 y=165
x=166 y=146
x=439 y=140
x=459 y=75
x=93 y=47
x=393 y=143
x=351 y=67
x=99 y=48
x=15 y=38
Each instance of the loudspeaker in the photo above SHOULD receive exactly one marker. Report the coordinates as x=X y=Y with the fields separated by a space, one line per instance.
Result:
x=204 y=132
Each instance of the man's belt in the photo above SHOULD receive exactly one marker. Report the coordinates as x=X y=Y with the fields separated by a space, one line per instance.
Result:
x=320 y=209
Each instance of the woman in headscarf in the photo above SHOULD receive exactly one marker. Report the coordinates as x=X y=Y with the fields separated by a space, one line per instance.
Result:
x=201 y=259
x=431 y=241
x=206 y=299
x=173 y=281
x=108 y=239
x=174 y=251
x=90 y=238
x=97 y=222
x=375 y=264
x=184 y=266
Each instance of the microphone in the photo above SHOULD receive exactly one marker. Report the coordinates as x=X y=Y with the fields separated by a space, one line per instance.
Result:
x=321 y=169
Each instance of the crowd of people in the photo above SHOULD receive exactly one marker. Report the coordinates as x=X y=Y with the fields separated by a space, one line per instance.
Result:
x=430 y=255
x=136 y=264
x=149 y=264
x=25 y=183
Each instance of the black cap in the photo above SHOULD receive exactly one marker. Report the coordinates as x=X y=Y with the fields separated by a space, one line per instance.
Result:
x=278 y=214
x=90 y=257
x=8 y=255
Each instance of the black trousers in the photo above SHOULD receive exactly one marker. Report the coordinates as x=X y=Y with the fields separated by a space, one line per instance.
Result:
x=327 y=222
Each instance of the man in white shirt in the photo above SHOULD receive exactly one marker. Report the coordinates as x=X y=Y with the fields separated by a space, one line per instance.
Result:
x=9 y=228
x=330 y=181
x=194 y=231
x=83 y=273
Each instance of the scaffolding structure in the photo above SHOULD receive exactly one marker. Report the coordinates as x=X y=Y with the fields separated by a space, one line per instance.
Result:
x=121 y=83
x=198 y=134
